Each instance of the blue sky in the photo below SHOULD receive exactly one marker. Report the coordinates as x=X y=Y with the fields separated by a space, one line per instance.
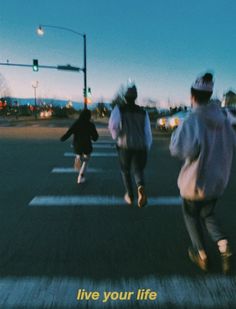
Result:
x=161 y=44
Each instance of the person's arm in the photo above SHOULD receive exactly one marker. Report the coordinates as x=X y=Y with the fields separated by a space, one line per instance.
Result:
x=115 y=122
x=148 y=132
x=184 y=141
x=94 y=133
x=69 y=132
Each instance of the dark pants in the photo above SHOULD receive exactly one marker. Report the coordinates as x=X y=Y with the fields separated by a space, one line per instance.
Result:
x=134 y=160
x=200 y=214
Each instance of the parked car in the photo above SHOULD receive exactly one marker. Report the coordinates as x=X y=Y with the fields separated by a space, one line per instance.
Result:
x=171 y=122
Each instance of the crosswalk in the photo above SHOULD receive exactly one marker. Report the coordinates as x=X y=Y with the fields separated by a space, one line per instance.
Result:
x=211 y=291
x=106 y=149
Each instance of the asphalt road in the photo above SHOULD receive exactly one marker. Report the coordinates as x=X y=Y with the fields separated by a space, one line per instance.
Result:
x=48 y=252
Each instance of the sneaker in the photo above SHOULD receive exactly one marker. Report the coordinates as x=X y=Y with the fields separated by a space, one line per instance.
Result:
x=142 y=197
x=80 y=179
x=195 y=258
x=128 y=199
x=225 y=260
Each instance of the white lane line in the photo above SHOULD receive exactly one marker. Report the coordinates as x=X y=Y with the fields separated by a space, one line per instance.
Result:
x=76 y=200
x=104 y=142
x=105 y=146
x=211 y=291
x=94 y=154
x=61 y=170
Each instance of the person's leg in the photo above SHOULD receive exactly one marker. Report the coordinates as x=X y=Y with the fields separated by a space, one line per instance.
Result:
x=191 y=213
x=125 y=157
x=207 y=214
x=214 y=230
x=77 y=162
x=84 y=164
x=139 y=161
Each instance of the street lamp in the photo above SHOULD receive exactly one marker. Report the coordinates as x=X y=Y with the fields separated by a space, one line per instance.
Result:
x=40 y=31
x=35 y=86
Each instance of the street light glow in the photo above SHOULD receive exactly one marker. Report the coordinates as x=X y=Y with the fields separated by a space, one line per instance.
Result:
x=40 y=31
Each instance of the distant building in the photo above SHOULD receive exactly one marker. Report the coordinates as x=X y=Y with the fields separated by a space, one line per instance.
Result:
x=229 y=99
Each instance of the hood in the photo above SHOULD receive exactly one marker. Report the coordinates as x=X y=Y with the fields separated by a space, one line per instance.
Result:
x=85 y=115
x=212 y=115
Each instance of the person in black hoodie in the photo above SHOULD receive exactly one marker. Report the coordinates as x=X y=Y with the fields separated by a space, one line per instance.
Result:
x=84 y=131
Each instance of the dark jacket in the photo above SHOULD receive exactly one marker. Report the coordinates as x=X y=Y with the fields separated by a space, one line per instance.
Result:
x=83 y=134
x=130 y=125
x=132 y=133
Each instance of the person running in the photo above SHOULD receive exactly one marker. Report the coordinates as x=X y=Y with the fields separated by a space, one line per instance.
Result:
x=84 y=131
x=130 y=126
x=206 y=142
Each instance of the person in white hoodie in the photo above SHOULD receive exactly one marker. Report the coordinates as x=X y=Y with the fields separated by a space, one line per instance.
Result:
x=130 y=126
x=206 y=142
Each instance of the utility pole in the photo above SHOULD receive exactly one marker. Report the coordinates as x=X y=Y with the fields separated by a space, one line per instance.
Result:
x=35 y=86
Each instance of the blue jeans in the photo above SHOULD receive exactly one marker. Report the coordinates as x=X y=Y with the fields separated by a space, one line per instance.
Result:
x=199 y=215
x=135 y=160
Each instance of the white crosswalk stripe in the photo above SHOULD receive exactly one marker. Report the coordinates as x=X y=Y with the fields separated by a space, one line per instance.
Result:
x=97 y=200
x=94 y=154
x=105 y=141
x=104 y=146
x=68 y=170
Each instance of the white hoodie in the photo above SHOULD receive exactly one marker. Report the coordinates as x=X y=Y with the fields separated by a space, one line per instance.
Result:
x=206 y=141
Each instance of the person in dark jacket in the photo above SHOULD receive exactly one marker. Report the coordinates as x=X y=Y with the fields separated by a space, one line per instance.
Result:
x=130 y=126
x=84 y=131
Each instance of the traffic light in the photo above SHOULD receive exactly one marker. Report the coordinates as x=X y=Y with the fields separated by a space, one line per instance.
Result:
x=35 y=65
x=87 y=96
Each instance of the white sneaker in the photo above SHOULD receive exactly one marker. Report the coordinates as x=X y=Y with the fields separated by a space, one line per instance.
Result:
x=80 y=179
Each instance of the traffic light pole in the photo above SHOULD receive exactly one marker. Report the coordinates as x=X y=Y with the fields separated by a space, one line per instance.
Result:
x=40 y=32
x=85 y=73
x=35 y=99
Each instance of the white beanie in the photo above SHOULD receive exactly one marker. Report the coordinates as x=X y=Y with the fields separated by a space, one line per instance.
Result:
x=204 y=83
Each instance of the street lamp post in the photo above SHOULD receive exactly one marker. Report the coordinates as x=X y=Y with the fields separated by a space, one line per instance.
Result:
x=35 y=86
x=40 y=31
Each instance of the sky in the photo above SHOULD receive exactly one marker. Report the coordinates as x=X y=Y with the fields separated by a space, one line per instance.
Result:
x=163 y=45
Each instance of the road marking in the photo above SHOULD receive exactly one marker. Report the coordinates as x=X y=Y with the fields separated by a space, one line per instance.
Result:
x=76 y=200
x=61 y=170
x=94 y=154
x=210 y=291
x=104 y=142
x=108 y=146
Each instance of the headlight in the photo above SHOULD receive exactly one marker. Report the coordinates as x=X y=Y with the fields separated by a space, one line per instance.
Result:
x=174 y=122
x=162 y=121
